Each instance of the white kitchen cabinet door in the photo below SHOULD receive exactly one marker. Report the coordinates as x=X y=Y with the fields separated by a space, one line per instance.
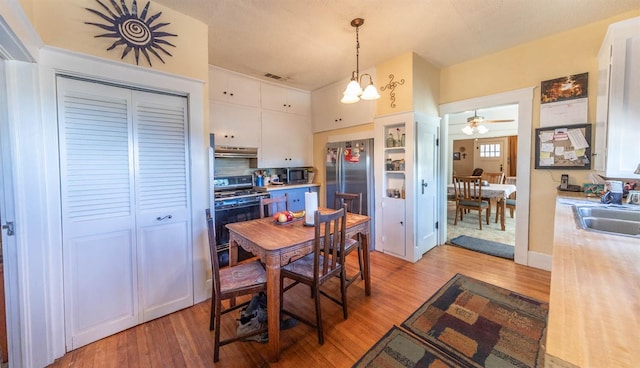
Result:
x=162 y=204
x=235 y=126
x=617 y=150
x=286 y=140
x=227 y=86
x=124 y=171
x=329 y=113
x=285 y=99
x=393 y=223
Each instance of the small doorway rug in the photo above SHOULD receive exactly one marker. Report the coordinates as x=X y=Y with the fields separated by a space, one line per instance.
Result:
x=467 y=323
x=484 y=246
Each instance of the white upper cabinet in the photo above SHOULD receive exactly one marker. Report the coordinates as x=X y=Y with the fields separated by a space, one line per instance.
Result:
x=233 y=125
x=617 y=153
x=234 y=88
x=327 y=112
x=286 y=140
x=285 y=99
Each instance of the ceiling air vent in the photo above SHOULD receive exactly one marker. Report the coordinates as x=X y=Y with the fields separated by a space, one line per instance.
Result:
x=273 y=76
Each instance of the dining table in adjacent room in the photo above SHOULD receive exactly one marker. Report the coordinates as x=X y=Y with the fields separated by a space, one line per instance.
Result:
x=277 y=244
x=496 y=194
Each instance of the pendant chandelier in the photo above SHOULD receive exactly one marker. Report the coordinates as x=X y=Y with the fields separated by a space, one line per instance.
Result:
x=353 y=93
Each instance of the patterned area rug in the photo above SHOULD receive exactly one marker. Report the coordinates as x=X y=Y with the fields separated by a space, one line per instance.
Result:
x=467 y=323
x=483 y=325
x=397 y=348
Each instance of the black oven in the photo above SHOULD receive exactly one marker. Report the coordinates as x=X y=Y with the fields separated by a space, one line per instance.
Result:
x=241 y=204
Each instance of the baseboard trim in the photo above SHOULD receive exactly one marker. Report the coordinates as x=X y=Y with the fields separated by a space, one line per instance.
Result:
x=539 y=260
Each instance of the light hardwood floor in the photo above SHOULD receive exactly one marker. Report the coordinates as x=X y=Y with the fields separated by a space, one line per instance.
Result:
x=183 y=339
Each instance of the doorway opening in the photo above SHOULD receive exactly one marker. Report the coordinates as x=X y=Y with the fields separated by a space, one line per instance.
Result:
x=455 y=116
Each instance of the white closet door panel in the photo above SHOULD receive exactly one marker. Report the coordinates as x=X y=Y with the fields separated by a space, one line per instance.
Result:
x=163 y=214
x=167 y=284
x=102 y=277
x=97 y=210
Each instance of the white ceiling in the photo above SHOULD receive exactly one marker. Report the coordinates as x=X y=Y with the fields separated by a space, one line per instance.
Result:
x=310 y=43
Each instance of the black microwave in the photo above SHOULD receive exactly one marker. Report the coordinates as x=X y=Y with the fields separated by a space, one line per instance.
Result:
x=297 y=175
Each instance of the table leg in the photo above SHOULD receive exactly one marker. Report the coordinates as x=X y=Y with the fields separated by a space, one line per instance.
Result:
x=502 y=203
x=364 y=238
x=272 y=265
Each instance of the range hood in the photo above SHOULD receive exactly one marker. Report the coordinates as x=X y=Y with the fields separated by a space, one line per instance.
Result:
x=235 y=152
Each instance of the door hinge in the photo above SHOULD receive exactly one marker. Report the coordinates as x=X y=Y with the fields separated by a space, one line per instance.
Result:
x=437 y=141
x=437 y=224
x=9 y=227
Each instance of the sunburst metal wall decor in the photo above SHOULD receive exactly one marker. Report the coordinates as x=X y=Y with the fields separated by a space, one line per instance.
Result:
x=391 y=86
x=137 y=33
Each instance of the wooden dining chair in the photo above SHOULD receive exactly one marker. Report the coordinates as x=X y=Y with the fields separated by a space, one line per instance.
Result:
x=321 y=265
x=231 y=282
x=353 y=201
x=493 y=178
x=477 y=171
x=273 y=205
x=511 y=200
x=468 y=192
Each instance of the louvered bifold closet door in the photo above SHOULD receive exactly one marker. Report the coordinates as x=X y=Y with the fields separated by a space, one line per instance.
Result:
x=125 y=207
x=162 y=202
x=98 y=216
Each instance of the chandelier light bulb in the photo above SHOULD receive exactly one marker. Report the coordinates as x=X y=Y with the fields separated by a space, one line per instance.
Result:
x=482 y=129
x=467 y=130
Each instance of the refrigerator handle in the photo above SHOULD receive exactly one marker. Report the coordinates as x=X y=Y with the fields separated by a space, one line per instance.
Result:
x=339 y=170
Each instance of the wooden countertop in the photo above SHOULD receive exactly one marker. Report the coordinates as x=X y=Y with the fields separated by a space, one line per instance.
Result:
x=594 y=314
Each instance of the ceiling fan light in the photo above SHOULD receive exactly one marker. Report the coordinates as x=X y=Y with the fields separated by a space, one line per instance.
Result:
x=482 y=129
x=467 y=130
x=370 y=93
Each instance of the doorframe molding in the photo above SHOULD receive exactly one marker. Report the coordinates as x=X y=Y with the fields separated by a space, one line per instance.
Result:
x=524 y=98
x=55 y=61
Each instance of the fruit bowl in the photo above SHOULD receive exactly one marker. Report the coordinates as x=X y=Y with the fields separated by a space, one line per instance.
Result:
x=287 y=217
x=288 y=222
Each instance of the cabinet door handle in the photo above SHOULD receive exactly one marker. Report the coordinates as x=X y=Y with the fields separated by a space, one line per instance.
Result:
x=424 y=185
x=167 y=217
x=402 y=223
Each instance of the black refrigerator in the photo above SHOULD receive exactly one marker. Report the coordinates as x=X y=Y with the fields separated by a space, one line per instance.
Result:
x=349 y=169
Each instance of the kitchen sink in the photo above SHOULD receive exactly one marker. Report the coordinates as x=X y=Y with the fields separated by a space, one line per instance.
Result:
x=617 y=220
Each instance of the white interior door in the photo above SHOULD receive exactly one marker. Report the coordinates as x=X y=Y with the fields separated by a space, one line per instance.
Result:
x=125 y=207
x=426 y=194
x=490 y=154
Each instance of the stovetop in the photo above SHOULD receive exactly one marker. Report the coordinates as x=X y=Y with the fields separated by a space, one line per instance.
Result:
x=237 y=193
x=230 y=187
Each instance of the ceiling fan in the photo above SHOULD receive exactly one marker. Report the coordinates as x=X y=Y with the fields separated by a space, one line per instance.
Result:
x=476 y=122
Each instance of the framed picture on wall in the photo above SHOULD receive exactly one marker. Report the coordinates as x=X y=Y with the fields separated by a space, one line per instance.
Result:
x=456 y=155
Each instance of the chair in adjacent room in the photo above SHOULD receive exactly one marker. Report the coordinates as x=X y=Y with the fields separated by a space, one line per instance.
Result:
x=511 y=200
x=477 y=171
x=321 y=265
x=353 y=201
x=493 y=178
x=468 y=192
x=273 y=205
x=228 y=283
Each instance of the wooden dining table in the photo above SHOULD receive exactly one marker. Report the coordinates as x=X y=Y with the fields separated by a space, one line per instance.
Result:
x=276 y=245
x=496 y=194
